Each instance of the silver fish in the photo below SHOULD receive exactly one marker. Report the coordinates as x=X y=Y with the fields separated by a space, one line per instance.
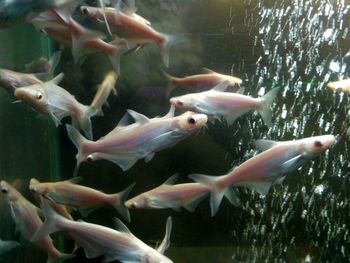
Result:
x=27 y=220
x=51 y=99
x=261 y=171
x=128 y=143
x=98 y=240
x=83 y=198
x=217 y=103
x=170 y=195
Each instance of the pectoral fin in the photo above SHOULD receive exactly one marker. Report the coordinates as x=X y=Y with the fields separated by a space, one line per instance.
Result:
x=293 y=164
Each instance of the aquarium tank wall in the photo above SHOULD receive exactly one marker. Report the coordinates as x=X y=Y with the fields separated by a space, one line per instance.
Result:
x=174 y=131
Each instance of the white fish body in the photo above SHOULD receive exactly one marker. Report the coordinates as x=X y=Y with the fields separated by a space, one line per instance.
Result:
x=217 y=103
x=51 y=99
x=98 y=240
x=169 y=195
x=126 y=144
x=11 y=80
x=27 y=220
x=340 y=85
x=261 y=171
x=80 y=197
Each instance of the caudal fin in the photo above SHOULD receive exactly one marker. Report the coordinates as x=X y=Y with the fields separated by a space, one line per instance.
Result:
x=84 y=122
x=217 y=193
x=166 y=240
x=264 y=108
x=118 y=202
x=51 y=223
x=167 y=44
x=172 y=82
x=77 y=140
x=120 y=47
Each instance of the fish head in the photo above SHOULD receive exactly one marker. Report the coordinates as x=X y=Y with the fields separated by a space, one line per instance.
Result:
x=336 y=86
x=33 y=95
x=92 y=12
x=318 y=144
x=37 y=188
x=8 y=191
x=182 y=102
x=190 y=121
x=137 y=202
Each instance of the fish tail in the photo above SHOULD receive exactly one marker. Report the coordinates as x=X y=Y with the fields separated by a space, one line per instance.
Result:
x=165 y=46
x=118 y=202
x=217 y=192
x=59 y=257
x=78 y=141
x=264 y=107
x=84 y=122
x=173 y=82
x=166 y=240
x=120 y=48
x=51 y=223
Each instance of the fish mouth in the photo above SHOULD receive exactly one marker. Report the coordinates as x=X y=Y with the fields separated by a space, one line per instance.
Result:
x=20 y=93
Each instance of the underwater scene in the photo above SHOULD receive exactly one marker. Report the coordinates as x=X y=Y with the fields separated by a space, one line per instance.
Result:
x=161 y=131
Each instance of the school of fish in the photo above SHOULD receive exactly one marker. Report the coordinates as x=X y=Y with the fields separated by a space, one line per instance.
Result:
x=135 y=137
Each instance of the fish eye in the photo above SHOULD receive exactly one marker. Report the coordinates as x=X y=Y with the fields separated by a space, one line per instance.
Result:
x=318 y=144
x=180 y=103
x=4 y=190
x=32 y=190
x=133 y=206
x=39 y=96
x=89 y=159
x=85 y=11
x=191 y=120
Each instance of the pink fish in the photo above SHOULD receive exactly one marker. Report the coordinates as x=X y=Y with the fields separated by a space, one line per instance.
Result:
x=128 y=143
x=11 y=80
x=27 y=220
x=170 y=195
x=261 y=171
x=83 y=198
x=203 y=81
x=218 y=103
x=98 y=240
x=132 y=29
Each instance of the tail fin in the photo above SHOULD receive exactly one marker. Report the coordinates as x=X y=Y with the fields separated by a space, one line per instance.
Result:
x=264 y=108
x=166 y=240
x=77 y=140
x=118 y=202
x=172 y=82
x=217 y=193
x=51 y=223
x=167 y=44
x=84 y=122
x=59 y=258
x=120 y=48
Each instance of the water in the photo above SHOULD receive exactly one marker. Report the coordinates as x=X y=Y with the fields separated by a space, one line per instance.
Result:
x=297 y=45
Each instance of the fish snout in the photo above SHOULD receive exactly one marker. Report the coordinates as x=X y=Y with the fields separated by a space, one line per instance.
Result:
x=4 y=187
x=177 y=102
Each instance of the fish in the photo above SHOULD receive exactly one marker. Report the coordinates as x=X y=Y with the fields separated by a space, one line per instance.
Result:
x=202 y=81
x=340 y=85
x=59 y=24
x=126 y=144
x=11 y=80
x=264 y=169
x=99 y=240
x=83 y=198
x=217 y=103
x=133 y=29
x=170 y=195
x=27 y=220
x=43 y=64
x=104 y=90
x=7 y=245
x=49 y=98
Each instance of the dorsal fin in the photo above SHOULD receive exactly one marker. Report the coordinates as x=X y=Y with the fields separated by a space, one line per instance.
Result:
x=209 y=71
x=56 y=80
x=171 y=112
x=172 y=179
x=119 y=225
x=75 y=180
x=138 y=117
x=264 y=145
x=124 y=121
x=221 y=86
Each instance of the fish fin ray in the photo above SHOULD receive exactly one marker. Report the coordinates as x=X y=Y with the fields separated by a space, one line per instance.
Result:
x=172 y=179
x=118 y=202
x=263 y=145
x=138 y=117
x=265 y=106
x=221 y=87
x=166 y=240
